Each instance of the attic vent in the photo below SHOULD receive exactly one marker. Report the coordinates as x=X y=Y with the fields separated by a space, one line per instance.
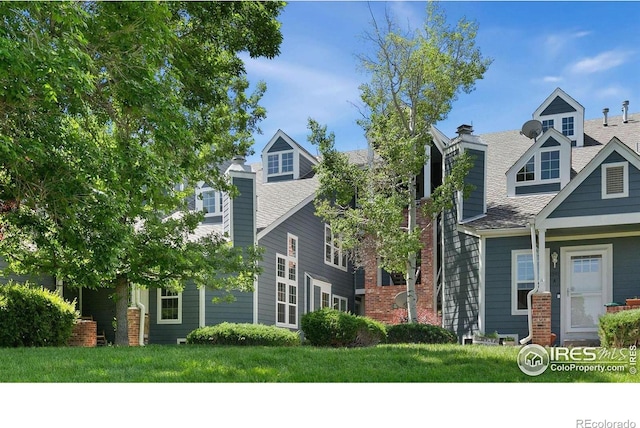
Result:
x=615 y=182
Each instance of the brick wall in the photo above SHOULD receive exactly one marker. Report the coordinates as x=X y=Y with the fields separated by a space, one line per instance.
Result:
x=379 y=300
x=133 y=319
x=84 y=334
x=541 y=318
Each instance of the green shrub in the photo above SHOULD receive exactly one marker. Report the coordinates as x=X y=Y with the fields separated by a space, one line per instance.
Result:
x=620 y=329
x=419 y=333
x=330 y=327
x=33 y=316
x=243 y=335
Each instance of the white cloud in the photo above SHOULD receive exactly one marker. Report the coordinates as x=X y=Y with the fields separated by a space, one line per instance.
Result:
x=552 y=79
x=604 y=61
x=557 y=42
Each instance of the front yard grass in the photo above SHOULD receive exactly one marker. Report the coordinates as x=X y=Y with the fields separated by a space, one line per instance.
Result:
x=188 y=363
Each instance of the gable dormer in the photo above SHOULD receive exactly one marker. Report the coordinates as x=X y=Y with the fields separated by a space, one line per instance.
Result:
x=564 y=114
x=544 y=168
x=283 y=159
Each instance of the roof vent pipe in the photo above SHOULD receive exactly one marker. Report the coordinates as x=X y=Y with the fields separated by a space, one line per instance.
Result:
x=605 y=111
x=625 y=111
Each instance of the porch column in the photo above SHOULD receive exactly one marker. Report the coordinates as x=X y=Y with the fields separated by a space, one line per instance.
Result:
x=541 y=318
x=542 y=261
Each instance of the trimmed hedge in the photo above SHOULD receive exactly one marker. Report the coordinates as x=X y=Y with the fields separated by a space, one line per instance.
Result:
x=419 y=333
x=620 y=329
x=330 y=327
x=33 y=316
x=243 y=335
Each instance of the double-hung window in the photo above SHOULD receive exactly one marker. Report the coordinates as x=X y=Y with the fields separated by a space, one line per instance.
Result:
x=340 y=303
x=547 y=124
x=169 y=307
x=333 y=253
x=287 y=285
x=523 y=280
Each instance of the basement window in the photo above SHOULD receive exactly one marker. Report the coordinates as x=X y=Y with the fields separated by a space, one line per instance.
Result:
x=615 y=180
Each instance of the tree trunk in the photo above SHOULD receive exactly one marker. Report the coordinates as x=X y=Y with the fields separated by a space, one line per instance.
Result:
x=412 y=313
x=122 y=305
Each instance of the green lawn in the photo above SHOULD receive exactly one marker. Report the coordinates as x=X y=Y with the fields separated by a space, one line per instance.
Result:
x=384 y=363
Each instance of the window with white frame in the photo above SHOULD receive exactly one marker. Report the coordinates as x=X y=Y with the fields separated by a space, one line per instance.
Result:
x=550 y=165
x=280 y=163
x=547 y=124
x=527 y=172
x=209 y=201
x=340 y=303
x=567 y=126
x=333 y=253
x=169 y=307
x=287 y=285
x=523 y=280
x=615 y=180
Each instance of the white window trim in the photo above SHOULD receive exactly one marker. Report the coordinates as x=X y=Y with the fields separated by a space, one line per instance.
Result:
x=625 y=178
x=334 y=248
x=288 y=282
x=537 y=169
x=200 y=203
x=514 y=278
x=340 y=299
x=279 y=155
x=159 y=299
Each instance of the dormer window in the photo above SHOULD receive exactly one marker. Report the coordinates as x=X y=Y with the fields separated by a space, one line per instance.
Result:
x=615 y=180
x=212 y=202
x=544 y=168
x=547 y=124
x=567 y=126
x=550 y=165
x=209 y=201
x=280 y=163
x=527 y=172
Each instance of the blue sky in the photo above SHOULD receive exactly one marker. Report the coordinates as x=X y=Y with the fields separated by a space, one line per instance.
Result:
x=589 y=49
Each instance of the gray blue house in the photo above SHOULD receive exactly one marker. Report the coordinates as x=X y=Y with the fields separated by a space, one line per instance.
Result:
x=303 y=267
x=558 y=214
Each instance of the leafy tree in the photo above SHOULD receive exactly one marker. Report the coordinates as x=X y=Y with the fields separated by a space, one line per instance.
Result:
x=104 y=108
x=415 y=77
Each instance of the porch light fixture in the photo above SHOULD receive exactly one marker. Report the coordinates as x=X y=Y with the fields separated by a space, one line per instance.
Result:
x=554 y=259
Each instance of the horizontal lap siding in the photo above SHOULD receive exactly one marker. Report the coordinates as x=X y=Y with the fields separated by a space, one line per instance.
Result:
x=169 y=333
x=45 y=280
x=498 y=288
x=586 y=200
x=310 y=232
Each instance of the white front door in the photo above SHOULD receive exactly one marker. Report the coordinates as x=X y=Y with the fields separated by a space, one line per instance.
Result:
x=586 y=288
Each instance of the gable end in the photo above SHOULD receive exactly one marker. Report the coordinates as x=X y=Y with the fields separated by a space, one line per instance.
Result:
x=557 y=106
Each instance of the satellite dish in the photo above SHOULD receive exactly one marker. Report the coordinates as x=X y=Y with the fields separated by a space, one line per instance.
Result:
x=531 y=129
x=400 y=300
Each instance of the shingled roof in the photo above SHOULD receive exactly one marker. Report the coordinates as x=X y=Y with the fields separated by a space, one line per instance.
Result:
x=505 y=148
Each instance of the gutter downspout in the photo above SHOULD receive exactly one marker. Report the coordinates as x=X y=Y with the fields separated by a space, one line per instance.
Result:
x=534 y=252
